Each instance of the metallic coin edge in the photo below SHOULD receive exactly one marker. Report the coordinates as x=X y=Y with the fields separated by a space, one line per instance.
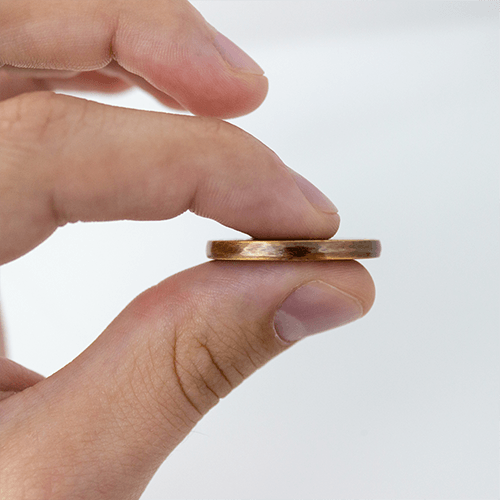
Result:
x=285 y=250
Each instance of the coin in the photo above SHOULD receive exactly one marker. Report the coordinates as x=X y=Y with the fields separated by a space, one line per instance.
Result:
x=293 y=250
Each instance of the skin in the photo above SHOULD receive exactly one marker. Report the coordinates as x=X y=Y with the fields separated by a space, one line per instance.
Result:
x=100 y=427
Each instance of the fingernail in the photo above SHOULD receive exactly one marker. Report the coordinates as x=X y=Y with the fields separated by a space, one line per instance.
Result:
x=314 y=195
x=313 y=308
x=234 y=56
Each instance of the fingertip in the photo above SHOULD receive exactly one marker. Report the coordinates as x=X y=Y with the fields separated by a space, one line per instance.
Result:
x=237 y=58
x=332 y=223
x=355 y=280
x=223 y=94
x=205 y=72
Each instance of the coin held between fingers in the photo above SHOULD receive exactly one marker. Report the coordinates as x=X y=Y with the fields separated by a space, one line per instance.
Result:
x=293 y=250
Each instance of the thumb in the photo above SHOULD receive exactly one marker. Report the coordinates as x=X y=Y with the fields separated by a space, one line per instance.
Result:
x=124 y=404
x=165 y=46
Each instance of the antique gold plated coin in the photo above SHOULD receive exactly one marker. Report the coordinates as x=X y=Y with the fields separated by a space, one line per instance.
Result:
x=293 y=250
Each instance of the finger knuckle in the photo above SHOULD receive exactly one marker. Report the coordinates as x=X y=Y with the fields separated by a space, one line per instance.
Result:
x=212 y=128
x=198 y=372
x=212 y=358
x=234 y=145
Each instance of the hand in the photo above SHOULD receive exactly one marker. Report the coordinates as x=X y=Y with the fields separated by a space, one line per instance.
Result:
x=100 y=427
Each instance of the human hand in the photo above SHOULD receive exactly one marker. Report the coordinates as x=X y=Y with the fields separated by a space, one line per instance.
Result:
x=101 y=426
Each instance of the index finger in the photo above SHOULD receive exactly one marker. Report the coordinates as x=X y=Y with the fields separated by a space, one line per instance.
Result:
x=64 y=159
x=166 y=42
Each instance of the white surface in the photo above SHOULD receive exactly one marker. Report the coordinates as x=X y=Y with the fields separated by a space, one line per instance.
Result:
x=392 y=109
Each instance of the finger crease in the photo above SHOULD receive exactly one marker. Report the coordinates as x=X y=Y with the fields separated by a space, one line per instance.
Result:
x=113 y=56
x=215 y=364
x=56 y=214
x=178 y=378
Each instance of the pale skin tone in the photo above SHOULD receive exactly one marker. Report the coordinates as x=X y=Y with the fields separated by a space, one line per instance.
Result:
x=100 y=427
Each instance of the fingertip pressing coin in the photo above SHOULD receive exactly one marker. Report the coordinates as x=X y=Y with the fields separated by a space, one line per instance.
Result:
x=293 y=250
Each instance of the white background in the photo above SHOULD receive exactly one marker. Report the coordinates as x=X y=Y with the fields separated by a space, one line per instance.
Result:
x=392 y=109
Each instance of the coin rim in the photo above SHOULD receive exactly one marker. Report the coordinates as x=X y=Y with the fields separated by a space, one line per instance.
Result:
x=252 y=250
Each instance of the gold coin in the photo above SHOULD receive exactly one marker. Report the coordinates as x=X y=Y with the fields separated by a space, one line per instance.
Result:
x=293 y=250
